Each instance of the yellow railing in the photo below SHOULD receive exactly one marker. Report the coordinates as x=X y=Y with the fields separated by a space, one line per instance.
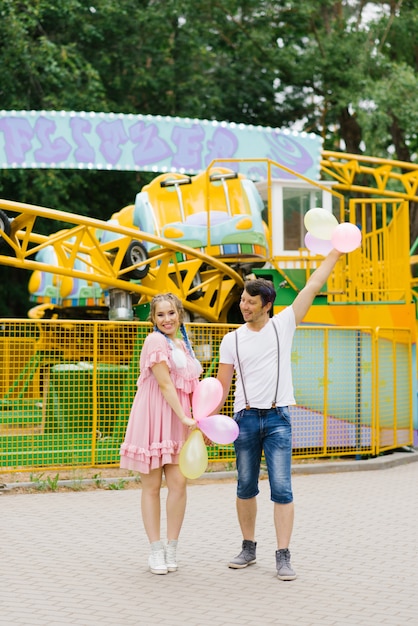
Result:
x=66 y=388
x=380 y=270
x=371 y=175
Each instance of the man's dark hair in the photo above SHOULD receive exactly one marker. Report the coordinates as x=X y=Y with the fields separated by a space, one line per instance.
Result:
x=263 y=288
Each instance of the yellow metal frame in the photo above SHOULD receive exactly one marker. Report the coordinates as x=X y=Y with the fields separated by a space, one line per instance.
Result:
x=183 y=270
x=383 y=174
x=172 y=267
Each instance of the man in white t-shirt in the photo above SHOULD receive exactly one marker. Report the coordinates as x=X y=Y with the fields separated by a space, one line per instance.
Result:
x=260 y=354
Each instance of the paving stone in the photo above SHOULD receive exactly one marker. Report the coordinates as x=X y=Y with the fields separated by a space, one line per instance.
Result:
x=81 y=557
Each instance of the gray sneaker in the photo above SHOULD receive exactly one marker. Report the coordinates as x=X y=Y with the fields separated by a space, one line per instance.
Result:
x=284 y=569
x=246 y=557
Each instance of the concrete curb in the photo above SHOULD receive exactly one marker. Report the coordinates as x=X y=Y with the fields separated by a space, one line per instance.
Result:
x=410 y=455
x=381 y=462
x=334 y=467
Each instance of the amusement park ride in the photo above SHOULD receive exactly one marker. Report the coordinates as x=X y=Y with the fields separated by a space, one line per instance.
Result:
x=200 y=235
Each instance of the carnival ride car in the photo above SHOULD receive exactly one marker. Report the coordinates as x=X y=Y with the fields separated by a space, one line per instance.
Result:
x=218 y=213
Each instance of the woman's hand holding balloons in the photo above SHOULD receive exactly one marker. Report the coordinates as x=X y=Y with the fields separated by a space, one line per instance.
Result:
x=189 y=421
x=218 y=428
x=325 y=233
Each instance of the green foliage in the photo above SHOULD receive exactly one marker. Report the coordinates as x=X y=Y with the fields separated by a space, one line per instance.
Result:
x=14 y=296
x=44 y=67
x=390 y=117
x=98 y=480
x=327 y=66
x=118 y=485
x=50 y=483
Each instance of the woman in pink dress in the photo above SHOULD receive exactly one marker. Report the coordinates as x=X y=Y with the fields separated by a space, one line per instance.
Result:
x=159 y=424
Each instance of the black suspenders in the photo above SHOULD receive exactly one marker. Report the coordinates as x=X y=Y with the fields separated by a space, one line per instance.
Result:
x=247 y=404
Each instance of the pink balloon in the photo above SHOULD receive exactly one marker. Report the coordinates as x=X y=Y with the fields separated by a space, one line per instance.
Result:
x=346 y=237
x=318 y=246
x=219 y=428
x=206 y=397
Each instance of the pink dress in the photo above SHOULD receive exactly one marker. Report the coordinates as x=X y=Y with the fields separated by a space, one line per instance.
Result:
x=155 y=435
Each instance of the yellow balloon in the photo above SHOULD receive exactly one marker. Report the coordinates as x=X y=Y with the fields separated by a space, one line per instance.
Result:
x=320 y=223
x=193 y=456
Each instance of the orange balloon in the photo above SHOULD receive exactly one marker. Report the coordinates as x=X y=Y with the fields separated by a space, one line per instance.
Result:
x=193 y=456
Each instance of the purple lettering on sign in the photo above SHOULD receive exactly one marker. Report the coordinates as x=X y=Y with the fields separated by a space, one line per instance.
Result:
x=289 y=153
x=18 y=135
x=112 y=135
x=223 y=145
x=79 y=127
x=50 y=152
x=150 y=147
x=189 y=147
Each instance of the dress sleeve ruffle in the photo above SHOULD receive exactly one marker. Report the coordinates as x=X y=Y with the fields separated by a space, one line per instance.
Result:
x=155 y=350
x=152 y=358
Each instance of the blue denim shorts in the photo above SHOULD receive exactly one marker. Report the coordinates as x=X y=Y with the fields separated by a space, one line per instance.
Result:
x=267 y=430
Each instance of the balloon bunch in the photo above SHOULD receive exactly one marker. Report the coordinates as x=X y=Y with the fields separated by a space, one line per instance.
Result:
x=218 y=428
x=325 y=233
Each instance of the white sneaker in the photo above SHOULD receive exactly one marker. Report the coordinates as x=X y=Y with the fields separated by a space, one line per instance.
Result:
x=171 y=555
x=156 y=560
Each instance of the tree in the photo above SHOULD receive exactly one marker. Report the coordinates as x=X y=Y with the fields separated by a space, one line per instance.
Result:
x=344 y=69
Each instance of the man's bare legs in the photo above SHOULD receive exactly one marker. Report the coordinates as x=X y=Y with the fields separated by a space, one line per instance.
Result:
x=247 y=513
x=283 y=522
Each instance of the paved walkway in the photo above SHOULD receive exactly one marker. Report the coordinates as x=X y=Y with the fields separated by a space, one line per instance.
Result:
x=79 y=558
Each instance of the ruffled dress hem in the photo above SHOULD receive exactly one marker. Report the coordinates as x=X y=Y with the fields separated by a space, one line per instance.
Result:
x=159 y=454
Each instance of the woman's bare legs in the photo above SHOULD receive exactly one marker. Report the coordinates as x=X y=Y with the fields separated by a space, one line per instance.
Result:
x=150 y=503
x=176 y=500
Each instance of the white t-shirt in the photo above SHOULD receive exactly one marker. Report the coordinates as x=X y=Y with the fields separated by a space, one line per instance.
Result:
x=258 y=358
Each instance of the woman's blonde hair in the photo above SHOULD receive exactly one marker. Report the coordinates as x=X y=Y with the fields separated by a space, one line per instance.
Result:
x=166 y=297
